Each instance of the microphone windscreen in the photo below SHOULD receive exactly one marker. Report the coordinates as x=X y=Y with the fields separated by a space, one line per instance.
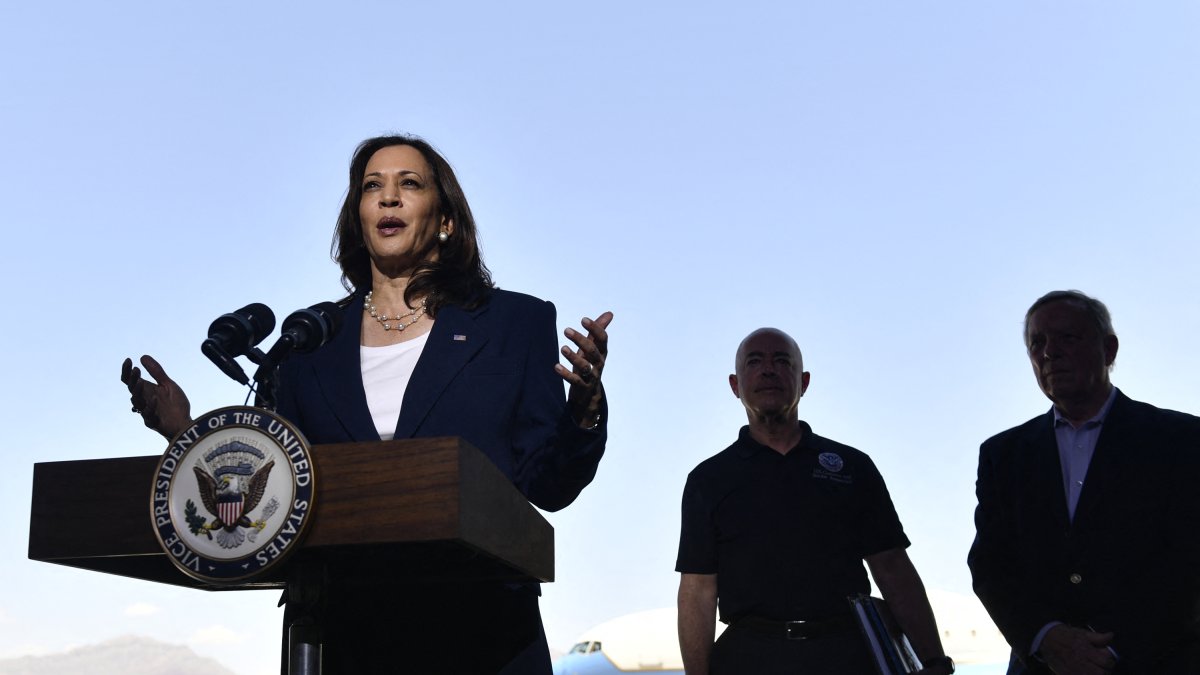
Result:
x=237 y=332
x=312 y=327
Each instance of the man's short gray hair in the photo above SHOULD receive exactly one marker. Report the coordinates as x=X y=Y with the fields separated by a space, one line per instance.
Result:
x=1092 y=306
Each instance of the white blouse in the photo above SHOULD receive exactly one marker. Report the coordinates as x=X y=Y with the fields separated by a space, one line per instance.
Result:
x=385 y=373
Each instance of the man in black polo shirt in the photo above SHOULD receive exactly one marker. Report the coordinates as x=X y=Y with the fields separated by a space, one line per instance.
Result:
x=777 y=526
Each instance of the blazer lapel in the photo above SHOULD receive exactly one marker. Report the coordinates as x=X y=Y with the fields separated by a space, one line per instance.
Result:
x=1108 y=458
x=454 y=340
x=338 y=369
x=1045 y=470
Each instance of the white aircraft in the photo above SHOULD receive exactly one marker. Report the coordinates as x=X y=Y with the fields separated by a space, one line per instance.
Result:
x=647 y=642
x=641 y=642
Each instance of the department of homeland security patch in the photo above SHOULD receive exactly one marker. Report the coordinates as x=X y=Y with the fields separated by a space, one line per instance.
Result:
x=233 y=494
x=831 y=461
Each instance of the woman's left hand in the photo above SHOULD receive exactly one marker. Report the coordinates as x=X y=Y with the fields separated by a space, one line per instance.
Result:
x=587 y=364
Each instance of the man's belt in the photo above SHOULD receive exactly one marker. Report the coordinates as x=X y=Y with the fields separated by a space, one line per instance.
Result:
x=795 y=630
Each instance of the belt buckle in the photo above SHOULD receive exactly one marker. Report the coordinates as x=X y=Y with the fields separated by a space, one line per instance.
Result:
x=795 y=630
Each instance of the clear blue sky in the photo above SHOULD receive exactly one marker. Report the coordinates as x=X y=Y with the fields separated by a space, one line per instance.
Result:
x=891 y=183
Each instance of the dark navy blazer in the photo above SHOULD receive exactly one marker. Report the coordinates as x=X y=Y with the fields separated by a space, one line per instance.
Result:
x=1129 y=562
x=486 y=375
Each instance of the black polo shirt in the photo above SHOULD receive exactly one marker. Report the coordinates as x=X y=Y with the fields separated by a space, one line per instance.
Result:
x=786 y=534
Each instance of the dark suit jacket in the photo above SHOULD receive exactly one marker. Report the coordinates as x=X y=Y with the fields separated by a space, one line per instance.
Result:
x=486 y=375
x=1129 y=562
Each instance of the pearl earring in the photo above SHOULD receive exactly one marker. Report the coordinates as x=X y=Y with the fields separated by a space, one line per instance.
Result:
x=443 y=236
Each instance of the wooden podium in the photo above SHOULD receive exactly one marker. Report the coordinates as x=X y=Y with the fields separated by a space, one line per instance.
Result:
x=425 y=510
x=429 y=509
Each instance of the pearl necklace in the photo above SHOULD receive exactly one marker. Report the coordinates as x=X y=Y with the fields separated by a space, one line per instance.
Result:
x=384 y=320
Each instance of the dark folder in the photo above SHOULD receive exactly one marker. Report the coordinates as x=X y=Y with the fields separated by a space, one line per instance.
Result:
x=890 y=649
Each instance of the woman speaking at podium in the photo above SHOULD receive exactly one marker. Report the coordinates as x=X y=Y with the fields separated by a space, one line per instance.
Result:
x=429 y=347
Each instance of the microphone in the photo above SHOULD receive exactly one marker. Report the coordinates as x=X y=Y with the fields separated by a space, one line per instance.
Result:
x=235 y=334
x=305 y=330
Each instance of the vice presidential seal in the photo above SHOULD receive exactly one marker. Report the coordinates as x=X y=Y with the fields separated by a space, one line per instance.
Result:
x=233 y=494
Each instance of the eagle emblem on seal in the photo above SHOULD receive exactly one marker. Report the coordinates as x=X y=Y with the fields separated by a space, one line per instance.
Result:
x=232 y=480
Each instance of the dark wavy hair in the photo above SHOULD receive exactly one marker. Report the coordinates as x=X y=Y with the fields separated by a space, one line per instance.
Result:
x=457 y=277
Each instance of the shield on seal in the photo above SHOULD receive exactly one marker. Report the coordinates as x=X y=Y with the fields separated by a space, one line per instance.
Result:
x=229 y=507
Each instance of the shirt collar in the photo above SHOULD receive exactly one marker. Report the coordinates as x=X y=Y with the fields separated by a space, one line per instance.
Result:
x=1096 y=419
x=747 y=446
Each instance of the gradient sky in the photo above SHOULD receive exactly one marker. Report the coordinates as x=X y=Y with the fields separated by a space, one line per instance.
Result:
x=891 y=183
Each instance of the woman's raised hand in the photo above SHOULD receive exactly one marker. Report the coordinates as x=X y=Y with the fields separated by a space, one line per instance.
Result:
x=162 y=404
